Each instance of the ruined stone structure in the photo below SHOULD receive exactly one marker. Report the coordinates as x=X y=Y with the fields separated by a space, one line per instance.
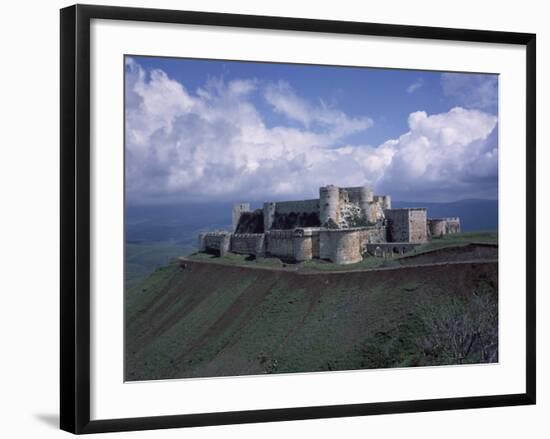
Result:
x=438 y=227
x=343 y=225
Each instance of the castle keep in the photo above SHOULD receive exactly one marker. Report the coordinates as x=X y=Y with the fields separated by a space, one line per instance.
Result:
x=343 y=225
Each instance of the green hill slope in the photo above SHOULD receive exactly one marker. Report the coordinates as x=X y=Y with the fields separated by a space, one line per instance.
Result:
x=208 y=319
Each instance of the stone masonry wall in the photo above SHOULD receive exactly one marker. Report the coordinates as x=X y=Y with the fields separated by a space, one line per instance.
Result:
x=407 y=225
x=248 y=243
x=300 y=206
x=398 y=224
x=438 y=227
x=219 y=242
x=238 y=210
x=280 y=243
x=418 y=225
x=340 y=245
x=306 y=244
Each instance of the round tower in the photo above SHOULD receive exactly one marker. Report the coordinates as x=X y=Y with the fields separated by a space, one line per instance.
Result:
x=329 y=204
x=386 y=202
x=365 y=200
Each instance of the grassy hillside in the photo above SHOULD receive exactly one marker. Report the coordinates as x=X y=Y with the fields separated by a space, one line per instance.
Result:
x=459 y=239
x=141 y=259
x=209 y=319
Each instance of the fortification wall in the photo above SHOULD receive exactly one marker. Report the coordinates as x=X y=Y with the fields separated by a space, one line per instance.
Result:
x=375 y=211
x=248 y=243
x=398 y=224
x=341 y=246
x=372 y=235
x=280 y=243
x=250 y=222
x=407 y=225
x=350 y=207
x=438 y=227
x=286 y=215
x=453 y=225
x=306 y=244
x=299 y=206
x=238 y=210
x=358 y=194
x=218 y=242
x=418 y=225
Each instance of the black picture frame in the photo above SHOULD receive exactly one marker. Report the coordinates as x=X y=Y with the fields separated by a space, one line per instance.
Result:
x=75 y=217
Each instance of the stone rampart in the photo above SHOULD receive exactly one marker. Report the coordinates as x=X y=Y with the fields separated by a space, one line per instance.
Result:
x=306 y=244
x=341 y=246
x=407 y=224
x=280 y=243
x=398 y=224
x=438 y=227
x=248 y=244
x=418 y=225
x=299 y=206
x=218 y=242
x=238 y=210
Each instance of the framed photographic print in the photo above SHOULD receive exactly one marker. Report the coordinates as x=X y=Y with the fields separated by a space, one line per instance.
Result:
x=268 y=218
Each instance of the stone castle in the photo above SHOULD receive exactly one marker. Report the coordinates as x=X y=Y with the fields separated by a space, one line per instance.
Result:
x=343 y=225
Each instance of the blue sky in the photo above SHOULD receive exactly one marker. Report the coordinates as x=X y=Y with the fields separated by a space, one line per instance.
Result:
x=207 y=130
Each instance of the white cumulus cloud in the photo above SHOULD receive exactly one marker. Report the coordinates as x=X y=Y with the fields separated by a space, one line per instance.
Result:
x=471 y=90
x=453 y=152
x=213 y=144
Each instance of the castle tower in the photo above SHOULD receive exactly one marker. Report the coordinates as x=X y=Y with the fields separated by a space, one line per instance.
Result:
x=365 y=201
x=329 y=204
x=386 y=202
x=238 y=210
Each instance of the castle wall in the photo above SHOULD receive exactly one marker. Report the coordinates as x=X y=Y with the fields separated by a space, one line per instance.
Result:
x=341 y=226
x=372 y=235
x=218 y=242
x=300 y=206
x=453 y=225
x=280 y=243
x=442 y=226
x=360 y=195
x=418 y=225
x=407 y=225
x=250 y=222
x=248 y=244
x=398 y=224
x=341 y=246
x=286 y=215
x=238 y=209
x=437 y=227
